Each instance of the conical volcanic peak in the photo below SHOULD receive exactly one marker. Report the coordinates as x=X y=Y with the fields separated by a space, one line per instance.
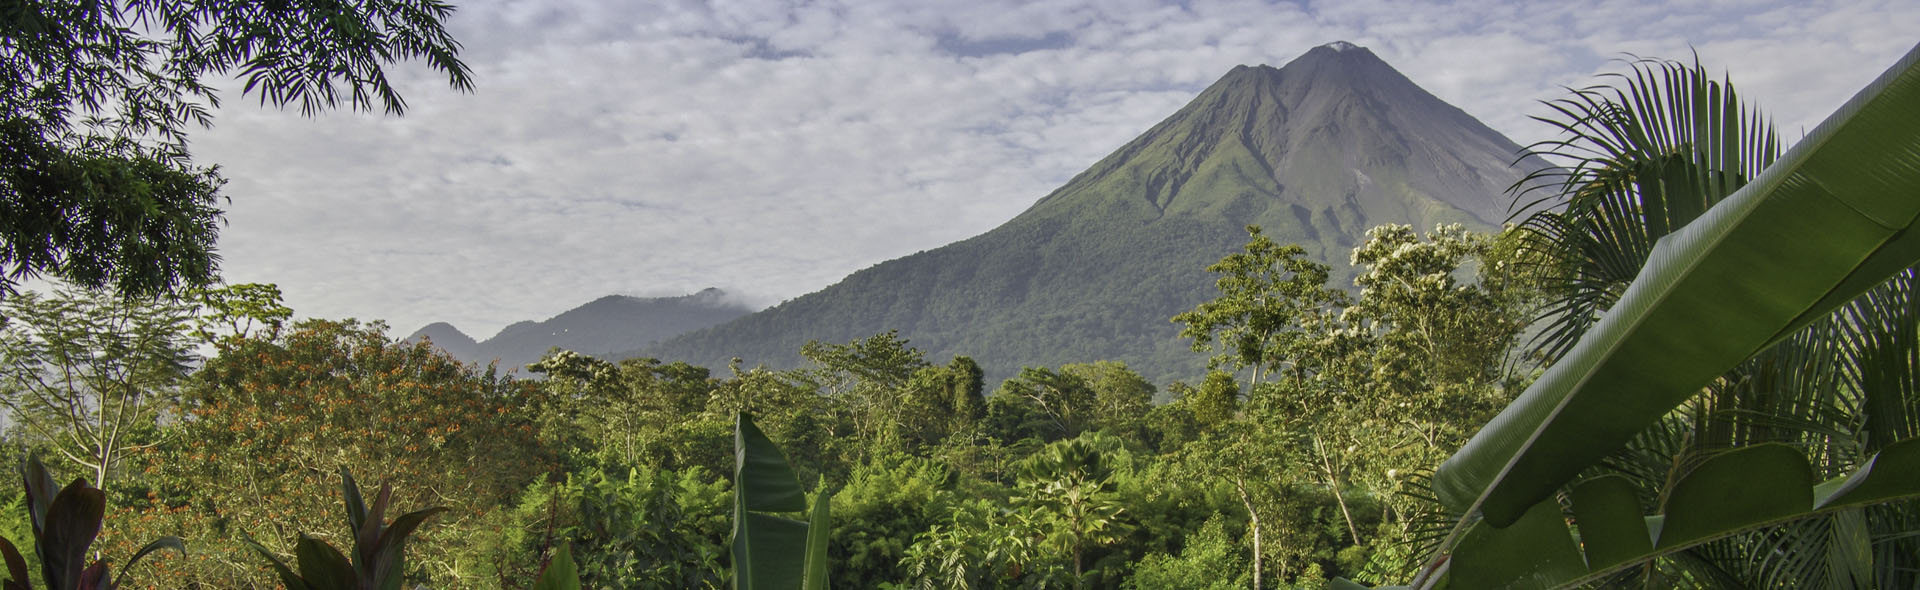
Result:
x=1338 y=134
x=1315 y=152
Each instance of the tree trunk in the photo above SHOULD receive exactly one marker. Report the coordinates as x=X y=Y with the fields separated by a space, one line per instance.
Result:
x=1333 y=484
x=1076 y=568
x=1253 y=526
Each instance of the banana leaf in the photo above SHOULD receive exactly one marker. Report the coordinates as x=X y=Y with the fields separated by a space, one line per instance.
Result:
x=773 y=552
x=1740 y=490
x=1830 y=219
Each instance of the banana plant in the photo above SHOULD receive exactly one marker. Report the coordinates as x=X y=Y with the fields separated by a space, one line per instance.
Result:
x=378 y=560
x=65 y=524
x=772 y=552
x=1832 y=218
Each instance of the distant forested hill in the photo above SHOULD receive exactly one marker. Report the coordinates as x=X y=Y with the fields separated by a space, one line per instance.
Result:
x=603 y=327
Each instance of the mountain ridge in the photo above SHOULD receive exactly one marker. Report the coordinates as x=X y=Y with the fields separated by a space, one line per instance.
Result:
x=602 y=327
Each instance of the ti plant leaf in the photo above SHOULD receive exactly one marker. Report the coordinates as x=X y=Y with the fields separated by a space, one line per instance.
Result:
x=65 y=524
x=16 y=567
x=773 y=552
x=378 y=557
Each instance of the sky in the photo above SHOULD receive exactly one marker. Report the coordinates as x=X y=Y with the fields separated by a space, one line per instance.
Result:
x=658 y=147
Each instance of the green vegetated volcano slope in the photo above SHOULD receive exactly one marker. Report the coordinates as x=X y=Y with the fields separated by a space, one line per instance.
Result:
x=1316 y=152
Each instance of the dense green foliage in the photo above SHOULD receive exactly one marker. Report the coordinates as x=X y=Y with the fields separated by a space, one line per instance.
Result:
x=1065 y=476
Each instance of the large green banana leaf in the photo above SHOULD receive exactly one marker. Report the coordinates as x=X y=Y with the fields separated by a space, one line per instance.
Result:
x=772 y=552
x=1741 y=490
x=1827 y=221
x=1737 y=491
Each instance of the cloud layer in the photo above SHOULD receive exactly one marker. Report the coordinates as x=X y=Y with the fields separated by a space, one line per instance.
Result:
x=770 y=148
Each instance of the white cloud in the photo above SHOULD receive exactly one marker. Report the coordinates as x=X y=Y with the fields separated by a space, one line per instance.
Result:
x=771 y=148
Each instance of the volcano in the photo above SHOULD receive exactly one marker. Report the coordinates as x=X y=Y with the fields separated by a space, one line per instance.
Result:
x=1315 y=152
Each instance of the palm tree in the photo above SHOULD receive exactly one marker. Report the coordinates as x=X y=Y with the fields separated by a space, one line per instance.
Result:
x=1736 y=342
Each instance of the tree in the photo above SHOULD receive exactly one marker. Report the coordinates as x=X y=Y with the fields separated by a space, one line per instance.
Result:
x=96 y=185
x=1067 y=488
x=1433 y=326
x=1437 y=316
x=966 y=391
x=1254 y=460
x=1210 y=561
x=1121 y=397
x=1267 y=294
x=237 y=311
x=867 y=380
x=87 y=374
x=270 y=420
x=618 y=415
x=875 y=517
x=1065 y=400
x=1763 y=315
x=651 y=529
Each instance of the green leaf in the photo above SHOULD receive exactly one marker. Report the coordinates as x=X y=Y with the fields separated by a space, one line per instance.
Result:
x=1712 y=294
x=762 y=477
x=1888 y=474
x=1735 y=490
x=1850 y=556
x=1536 y=551
x=166 y=542
x=322 y=566
x=818 y=527
x=1608 y=512
x=561 y=574
x=769 y=552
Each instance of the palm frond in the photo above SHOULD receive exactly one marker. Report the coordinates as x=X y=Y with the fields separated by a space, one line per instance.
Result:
x=1638 y=161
